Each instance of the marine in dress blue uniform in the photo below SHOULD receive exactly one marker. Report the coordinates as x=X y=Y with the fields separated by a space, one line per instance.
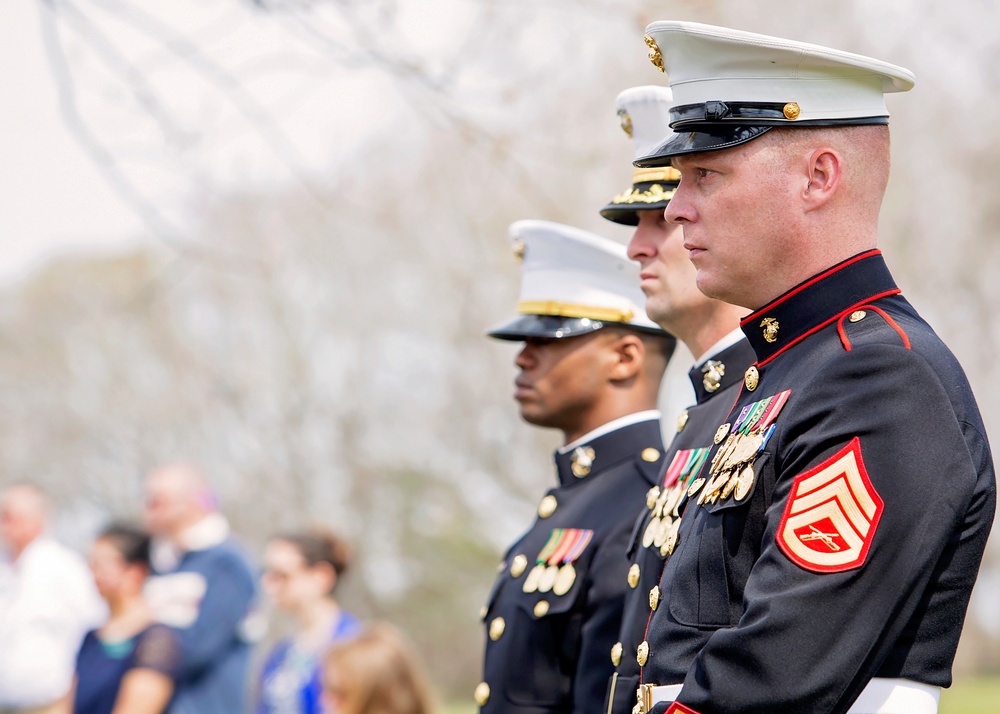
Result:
x=710 y=330
x=555 y=608
x=830 y=543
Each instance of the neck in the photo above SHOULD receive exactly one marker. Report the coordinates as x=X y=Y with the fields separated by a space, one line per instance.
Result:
x=702 y=334
x=317 y=615
x=129 y=614
x=315 y=621
x=177 y=533
x=811 y=254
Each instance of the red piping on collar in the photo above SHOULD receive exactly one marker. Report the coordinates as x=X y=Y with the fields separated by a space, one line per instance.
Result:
x=812 y=281
x=855 y=306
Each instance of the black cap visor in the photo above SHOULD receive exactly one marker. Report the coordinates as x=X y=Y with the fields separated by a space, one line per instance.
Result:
x=694 y=142
x=645 y=196
x=545 y=326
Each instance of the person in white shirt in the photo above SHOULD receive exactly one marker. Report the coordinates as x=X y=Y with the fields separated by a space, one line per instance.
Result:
x=47 y=602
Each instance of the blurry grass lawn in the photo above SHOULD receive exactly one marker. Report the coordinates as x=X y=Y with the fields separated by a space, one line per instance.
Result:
x=971 y=695
x=968 y=695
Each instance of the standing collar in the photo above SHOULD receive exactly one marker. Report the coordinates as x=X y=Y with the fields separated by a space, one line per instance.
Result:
x=712 y=352
x=812 y=305
x=629 y=440
x=721 y=369
x=610 y=426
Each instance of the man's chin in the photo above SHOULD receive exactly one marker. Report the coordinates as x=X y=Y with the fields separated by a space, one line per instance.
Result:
x=535 y=418
x=658 y=311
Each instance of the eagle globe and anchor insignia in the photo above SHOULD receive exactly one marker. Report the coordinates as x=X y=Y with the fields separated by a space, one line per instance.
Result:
x=770 y=326
x=713 y=372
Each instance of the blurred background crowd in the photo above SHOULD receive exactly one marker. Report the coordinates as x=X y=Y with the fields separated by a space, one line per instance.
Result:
x=169 y=613
x=269 y=235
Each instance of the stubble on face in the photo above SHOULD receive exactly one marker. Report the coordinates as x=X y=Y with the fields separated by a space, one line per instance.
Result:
x=736 y=215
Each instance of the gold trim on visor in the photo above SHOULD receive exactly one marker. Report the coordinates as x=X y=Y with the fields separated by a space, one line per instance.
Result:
x=565 y=309
x=653 y=194
x=660 y=173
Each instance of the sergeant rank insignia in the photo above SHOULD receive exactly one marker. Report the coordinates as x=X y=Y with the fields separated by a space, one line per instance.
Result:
x=554 y=569
x=731 y=473
x=831 y=515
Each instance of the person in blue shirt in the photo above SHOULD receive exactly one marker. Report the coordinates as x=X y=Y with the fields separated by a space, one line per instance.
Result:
x=129 y=663
x=204 y=587
x=301 y=572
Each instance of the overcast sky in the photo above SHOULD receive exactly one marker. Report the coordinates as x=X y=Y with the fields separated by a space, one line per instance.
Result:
x=53 y=196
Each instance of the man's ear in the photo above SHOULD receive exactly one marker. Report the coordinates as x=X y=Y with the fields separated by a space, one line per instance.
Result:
x=824 y=173
x=630 y=352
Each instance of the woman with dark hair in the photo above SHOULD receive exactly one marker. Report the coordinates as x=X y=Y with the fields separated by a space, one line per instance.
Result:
x=127 y=665
x=301 y=572
x=376 y=672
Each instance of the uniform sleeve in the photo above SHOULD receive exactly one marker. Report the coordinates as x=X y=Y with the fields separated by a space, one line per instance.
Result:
x=226 y=603
x=602 y=621
x=813 y=632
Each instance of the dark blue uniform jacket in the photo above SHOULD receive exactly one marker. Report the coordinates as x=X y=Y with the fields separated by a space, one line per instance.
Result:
x=850 y=548
x=547 y=652
x=716 y=387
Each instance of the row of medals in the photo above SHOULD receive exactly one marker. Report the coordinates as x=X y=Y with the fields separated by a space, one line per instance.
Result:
x=665 y=521
x=544 y=578
x=731 y=472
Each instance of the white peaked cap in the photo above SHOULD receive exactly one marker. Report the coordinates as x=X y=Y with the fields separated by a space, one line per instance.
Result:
x=582 y=280
x=722 y=77
x=644 y=114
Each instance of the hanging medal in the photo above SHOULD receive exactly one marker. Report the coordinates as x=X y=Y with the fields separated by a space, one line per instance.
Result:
x=731 y=473
x=567 y=573
x=534 y=577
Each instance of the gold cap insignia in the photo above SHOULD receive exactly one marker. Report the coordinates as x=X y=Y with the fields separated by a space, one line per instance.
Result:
x=654 y=53
x=770 y=326
x=857 y=316
x=650 y=454
x=518 y=247
x=626 y=121
x=791 y=110
x=751 y=377
x=547 y=506
x=714 y=371
x=582 y=461
x=482 y=694
x=616 y=654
